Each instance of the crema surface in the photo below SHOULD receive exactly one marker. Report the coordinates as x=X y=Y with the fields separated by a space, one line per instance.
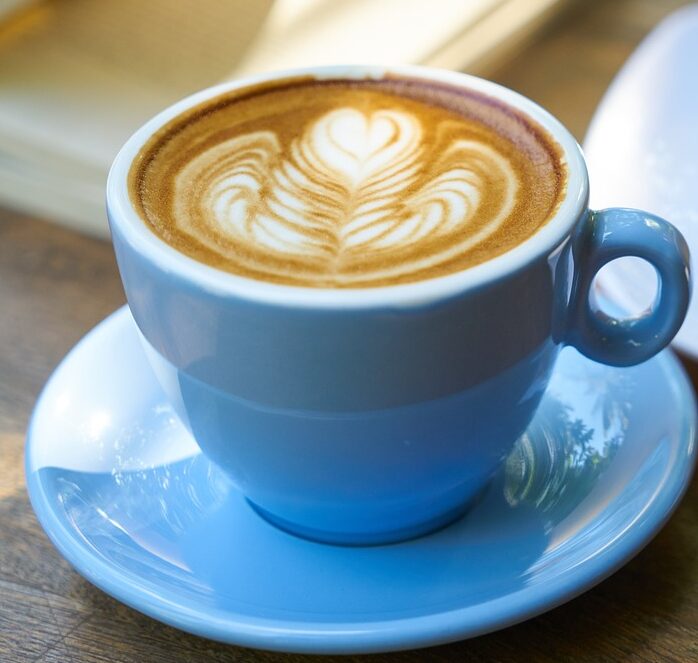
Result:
x=348 y=183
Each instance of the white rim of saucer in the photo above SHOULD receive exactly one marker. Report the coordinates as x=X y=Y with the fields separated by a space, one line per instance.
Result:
x=419 y=293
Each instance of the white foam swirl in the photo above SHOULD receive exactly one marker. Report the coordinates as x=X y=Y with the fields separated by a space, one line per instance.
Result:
x=356 y=197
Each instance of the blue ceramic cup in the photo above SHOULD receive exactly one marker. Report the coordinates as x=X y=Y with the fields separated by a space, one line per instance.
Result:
x=377 y=414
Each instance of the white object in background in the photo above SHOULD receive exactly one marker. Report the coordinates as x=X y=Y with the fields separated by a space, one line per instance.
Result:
x=642 y=151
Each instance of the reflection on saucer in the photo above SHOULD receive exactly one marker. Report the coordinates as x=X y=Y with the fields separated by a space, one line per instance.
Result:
x=559 y=460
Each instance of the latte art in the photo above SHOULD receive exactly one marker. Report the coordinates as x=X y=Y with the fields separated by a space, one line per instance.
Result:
x=358 y=195
x=339 y=196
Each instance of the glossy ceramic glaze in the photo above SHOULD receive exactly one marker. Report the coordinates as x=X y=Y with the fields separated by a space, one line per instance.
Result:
x=642 y=150
x=123 y=491
x=373 y=415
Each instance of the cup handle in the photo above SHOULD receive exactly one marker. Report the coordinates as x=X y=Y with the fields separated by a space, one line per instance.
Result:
x=614 y=233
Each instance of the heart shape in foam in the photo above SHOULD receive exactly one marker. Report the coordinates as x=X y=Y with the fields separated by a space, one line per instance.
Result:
x=358 y=146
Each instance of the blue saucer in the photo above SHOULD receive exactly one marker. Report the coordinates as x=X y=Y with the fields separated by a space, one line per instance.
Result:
x=125 y=495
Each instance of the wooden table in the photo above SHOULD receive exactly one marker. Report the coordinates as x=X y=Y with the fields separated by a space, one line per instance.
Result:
x=55 y=285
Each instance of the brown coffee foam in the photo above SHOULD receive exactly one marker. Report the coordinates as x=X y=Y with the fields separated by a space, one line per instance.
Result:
x=285 y=110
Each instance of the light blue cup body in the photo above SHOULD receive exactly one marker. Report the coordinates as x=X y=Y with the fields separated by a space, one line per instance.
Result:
x=373 y=415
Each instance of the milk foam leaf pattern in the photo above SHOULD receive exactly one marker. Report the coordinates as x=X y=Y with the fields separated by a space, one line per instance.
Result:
x=350 y=199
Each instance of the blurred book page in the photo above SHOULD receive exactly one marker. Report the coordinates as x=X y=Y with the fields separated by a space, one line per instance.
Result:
x=86 y=73
x=177 y=46
x=77 y=77
x=304 y=32
x=444 y=33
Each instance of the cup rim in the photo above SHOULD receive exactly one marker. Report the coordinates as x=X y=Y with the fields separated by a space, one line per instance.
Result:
x=122 y=213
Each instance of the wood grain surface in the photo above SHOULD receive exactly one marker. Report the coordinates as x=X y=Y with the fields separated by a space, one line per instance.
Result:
x=55 y=285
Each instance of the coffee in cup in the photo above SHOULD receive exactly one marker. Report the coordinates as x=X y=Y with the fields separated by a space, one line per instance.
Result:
x=341 y=183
